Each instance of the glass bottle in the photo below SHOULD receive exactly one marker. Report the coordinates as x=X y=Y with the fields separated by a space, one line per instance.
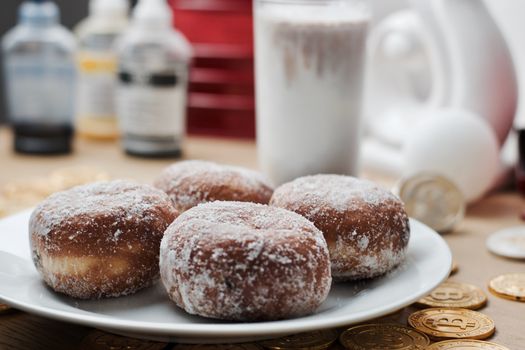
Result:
x=97 y=67
x=154 y=63
x=39 y=67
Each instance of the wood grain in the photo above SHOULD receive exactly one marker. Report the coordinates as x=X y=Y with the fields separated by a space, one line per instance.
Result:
x=21 y=331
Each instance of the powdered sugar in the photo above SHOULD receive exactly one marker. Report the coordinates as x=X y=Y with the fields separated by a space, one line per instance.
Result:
x=100 y=240
x=190 y=183
x=362 y=243
x=120 y=199
x=366 y=226
x=338 y=191
x=244 y=261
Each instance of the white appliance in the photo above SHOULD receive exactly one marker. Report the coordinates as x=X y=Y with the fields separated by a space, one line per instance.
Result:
x=440 y=54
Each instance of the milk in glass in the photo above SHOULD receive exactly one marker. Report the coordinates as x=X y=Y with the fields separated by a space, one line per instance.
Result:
x=309 y=79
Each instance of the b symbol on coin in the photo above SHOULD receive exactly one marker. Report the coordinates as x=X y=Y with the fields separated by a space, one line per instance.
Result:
x=383 y=336
x=450 y=323
x=456 y=295
x=447 y=294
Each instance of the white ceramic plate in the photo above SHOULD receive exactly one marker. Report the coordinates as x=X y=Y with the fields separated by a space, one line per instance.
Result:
x=150 y=315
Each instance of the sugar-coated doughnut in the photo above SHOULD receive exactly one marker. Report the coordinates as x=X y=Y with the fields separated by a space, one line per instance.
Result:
x=100 y=240
x=366 y=227
x=245 y=262
x=193 y=182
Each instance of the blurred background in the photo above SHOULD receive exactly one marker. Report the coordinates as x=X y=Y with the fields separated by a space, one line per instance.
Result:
x=427 y=60
x=222 y=32
x=506 y=12
x=73 y=12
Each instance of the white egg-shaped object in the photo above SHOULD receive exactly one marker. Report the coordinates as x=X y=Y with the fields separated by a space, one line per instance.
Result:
x=457 y=144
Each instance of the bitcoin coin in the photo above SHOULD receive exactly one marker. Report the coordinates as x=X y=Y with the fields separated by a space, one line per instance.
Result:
x=510 y=286
x=466 y=344
x=452 y=323
x=318 y=340
x=246 y=346
x=452 y=294
x=98 y=340
x=434 y=200
x=383 y=337
x=509 y=242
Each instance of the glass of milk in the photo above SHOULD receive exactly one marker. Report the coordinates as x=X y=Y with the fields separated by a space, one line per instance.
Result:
x=310 y=64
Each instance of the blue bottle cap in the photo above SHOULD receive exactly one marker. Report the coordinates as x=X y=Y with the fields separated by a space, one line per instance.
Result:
x=39 y=12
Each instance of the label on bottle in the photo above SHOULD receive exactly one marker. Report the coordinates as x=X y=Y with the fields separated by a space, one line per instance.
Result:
x=97 y=85
x=40 y=88
x=152 y=106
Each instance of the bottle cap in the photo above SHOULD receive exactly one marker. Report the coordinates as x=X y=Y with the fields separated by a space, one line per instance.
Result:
x=109 y=8
x=39 y=12
x=153 y=13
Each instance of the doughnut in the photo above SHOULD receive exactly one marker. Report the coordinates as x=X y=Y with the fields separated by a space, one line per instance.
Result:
x=366 y=227
x=100 y=240
x=244 y=262
x=190 y=183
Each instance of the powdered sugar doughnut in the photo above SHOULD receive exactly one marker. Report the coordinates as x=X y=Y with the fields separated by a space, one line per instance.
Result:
x=193 y=182
x=365 y=226
x=100 y=240
x=245 y=262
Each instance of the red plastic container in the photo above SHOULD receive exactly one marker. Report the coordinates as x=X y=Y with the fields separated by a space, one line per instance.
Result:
x=221 y=98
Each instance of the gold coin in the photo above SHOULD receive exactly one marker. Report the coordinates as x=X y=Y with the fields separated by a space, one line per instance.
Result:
x=4 y=308
x=452 y=323
x=317 y=340
x=245 y=346
x=452 y=294
x=510 y=286
x=455 y=268
x=383 y=337
x=434 y=200
x=98 y=340
x=466 y=344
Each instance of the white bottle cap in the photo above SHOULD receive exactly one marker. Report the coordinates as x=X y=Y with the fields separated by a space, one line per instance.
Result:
x=153 y=13
x=109 y=8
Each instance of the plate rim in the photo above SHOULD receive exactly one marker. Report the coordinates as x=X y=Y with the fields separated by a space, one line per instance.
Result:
x=237 y=329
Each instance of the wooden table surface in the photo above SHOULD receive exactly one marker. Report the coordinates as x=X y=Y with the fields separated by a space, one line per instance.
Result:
x=477 y=266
